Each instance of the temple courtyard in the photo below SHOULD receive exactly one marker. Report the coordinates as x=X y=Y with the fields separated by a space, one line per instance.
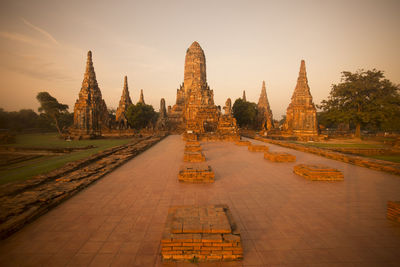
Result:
x=284 y=219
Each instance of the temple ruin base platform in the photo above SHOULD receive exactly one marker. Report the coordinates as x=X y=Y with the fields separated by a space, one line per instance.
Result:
x=279 y=157
x=193 y=157
x=196 y=173
x=258 y=148
x=318 y=172
x=393 y=211
x=200 y=233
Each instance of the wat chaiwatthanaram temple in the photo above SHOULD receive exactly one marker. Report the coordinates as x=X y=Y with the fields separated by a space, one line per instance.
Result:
x=194 y=114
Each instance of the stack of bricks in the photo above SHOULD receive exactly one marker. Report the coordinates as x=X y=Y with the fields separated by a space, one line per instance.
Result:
x=193 y=157
x=200 y=233
x=243 y=143
x=393 y=211
x=318 y=172
x=196 y=173
x=257 y=148
x=279 y=157
x=192 y=147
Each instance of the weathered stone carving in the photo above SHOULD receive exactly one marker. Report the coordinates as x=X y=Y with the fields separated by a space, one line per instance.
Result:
x=264 y=111
x=301 y=114
x=124 y=103
x=90 y=110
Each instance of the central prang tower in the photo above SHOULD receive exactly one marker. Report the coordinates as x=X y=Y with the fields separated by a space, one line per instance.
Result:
x=195 y=111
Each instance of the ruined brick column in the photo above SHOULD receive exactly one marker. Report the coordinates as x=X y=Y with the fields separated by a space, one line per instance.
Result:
x=124 y=103
x=90 y=110
x=141 y=98
x=301 y=114
x=264 y=111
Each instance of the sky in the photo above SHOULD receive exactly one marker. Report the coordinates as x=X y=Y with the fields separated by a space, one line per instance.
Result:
x=43 y=47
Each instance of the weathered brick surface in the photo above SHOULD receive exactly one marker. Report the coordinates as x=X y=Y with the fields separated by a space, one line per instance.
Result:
x=192 y=148
x=393 y=211
x=193 y=157
x=22 y=202
x=196 y=173
x=318 y=172
x=279 y=157
x=374 y=164
x=243 y=143
x=200 y=233
x=257 y=148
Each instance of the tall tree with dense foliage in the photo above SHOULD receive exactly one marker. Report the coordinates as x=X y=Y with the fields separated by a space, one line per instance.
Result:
x=52 y=108
x=245 y=113
x=141 y=115
x=364 y=98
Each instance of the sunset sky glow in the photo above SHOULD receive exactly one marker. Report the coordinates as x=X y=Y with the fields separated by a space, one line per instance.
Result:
x=43 y=46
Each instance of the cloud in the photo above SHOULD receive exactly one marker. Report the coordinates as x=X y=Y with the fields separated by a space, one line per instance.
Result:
x=40 y=30
x=14 y=36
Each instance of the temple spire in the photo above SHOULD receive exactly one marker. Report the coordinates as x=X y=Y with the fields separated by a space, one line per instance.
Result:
x=244 y=96
x=302 y=88
x=141 y=99
x=89 y=78
x=264 y=110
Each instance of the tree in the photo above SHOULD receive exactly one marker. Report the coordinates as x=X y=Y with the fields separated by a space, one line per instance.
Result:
x=51 y=108
x=364 y=98
x=141 y=115
x=245 y=113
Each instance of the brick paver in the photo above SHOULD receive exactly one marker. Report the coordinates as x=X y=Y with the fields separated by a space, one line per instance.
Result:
x=283 y=218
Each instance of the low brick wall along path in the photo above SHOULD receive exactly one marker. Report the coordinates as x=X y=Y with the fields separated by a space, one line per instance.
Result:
x=284 y=219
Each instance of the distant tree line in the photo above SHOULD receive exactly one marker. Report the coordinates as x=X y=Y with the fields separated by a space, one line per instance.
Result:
x=362 y=100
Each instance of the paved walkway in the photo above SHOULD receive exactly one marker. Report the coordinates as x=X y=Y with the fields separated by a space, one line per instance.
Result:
x=284 y=219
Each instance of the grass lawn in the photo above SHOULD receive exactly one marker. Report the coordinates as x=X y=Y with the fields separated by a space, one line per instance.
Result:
x=392 y=158
x=27 y=169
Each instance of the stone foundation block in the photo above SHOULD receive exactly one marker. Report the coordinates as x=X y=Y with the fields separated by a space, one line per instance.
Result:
x=257 y=148
x=279 y=157
x=393 y=211
x=196 y=173
x=200 y=233
x=193 y=157
x=243 y=143
x=192 y=148
x=318 y=172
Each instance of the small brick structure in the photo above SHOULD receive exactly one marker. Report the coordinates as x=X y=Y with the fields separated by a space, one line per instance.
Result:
x=393 y=211
x=201 y=233
x=257 y=148
x=279 y=157
x=243 y=143
x=194 y=157
x=192 y=148
x=318 y=172
x=196 y=173
x=192 y=143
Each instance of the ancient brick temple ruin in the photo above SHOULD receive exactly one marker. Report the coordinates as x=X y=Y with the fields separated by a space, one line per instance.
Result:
x=301 y=114
x=141 y=98
x=90 y=110
x=124 y=103
x=265 y=120
x=195 y=111
x=162 y=120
